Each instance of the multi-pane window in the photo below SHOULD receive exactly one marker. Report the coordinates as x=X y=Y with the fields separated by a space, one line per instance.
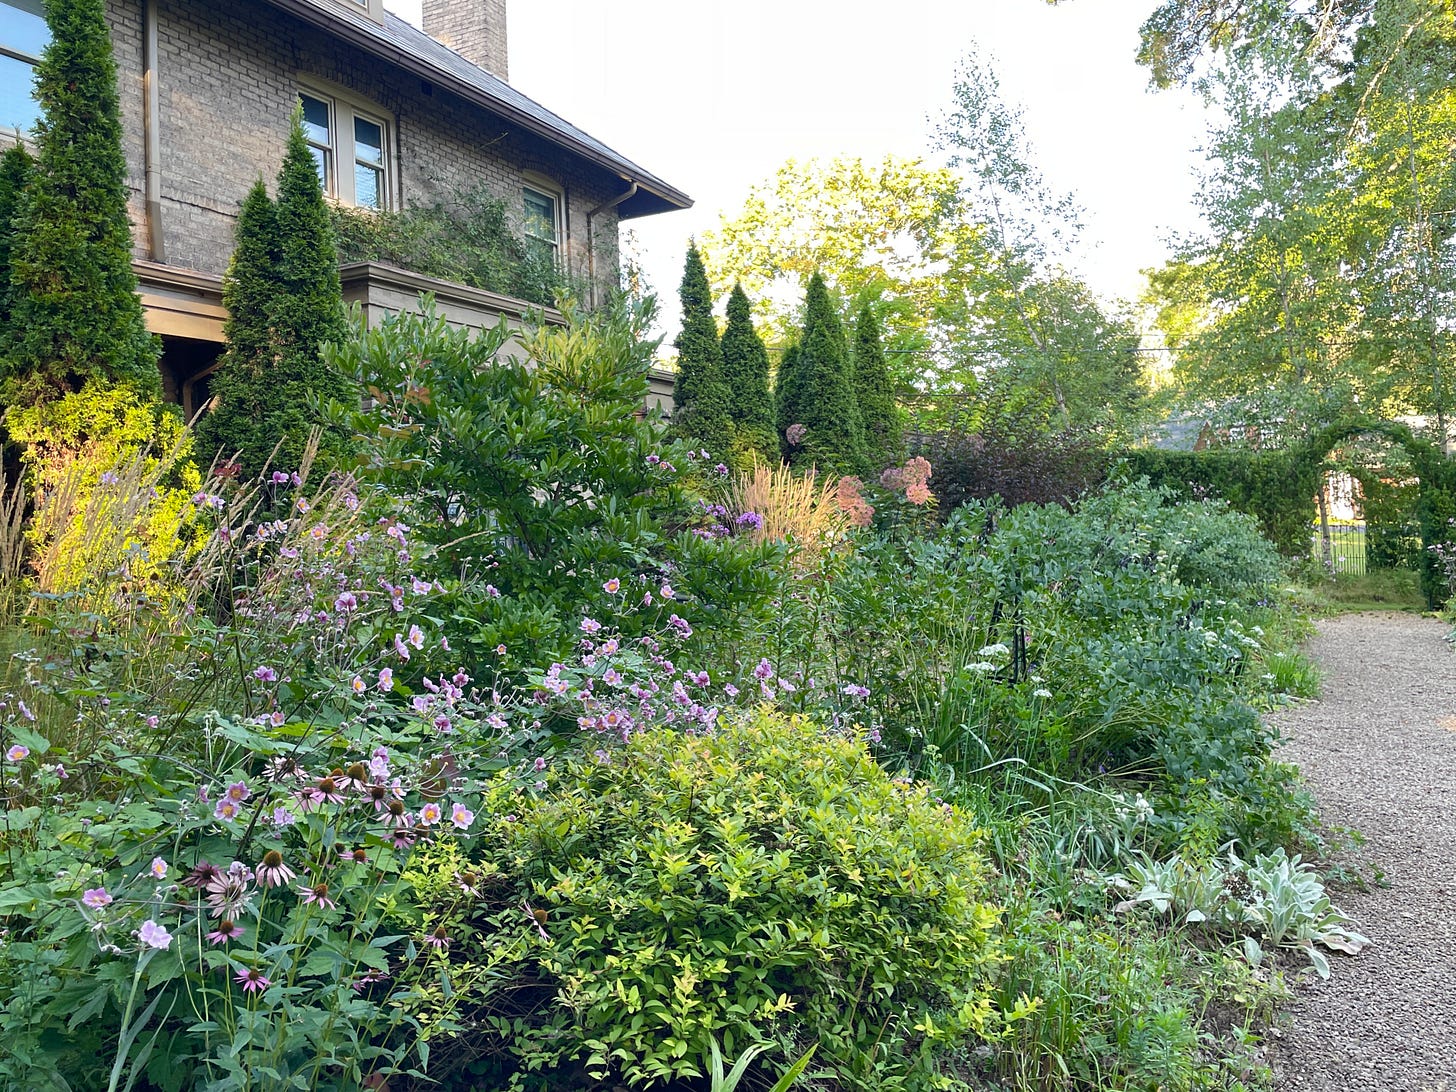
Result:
x=543 y=224
x=350 y=149
x=23 y=35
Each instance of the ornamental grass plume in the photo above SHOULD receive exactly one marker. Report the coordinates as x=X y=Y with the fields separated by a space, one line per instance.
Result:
x=798 y=508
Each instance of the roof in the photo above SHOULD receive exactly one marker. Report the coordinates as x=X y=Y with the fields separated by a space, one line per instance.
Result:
x=410 y=48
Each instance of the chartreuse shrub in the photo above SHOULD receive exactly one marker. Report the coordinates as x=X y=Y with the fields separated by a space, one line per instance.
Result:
x=113 y=482
x=765 y=884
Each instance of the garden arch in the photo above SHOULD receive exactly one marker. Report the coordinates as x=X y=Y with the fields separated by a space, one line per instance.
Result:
x=1436 y=499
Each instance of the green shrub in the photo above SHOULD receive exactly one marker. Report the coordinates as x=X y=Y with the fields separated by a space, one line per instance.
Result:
x=703 y=414
x=532 y=479
x=1275 y=487
x=283 y=296
x=74 y=313
x=765 y=883
x=467 y=238
x=815 y=390
x=745 y=370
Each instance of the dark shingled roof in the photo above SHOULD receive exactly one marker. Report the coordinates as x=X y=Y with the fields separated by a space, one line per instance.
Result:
x=405 y=45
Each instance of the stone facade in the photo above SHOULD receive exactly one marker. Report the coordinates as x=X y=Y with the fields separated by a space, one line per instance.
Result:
x=228 y=76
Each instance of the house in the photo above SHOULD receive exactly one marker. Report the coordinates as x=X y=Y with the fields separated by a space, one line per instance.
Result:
x=396 y=116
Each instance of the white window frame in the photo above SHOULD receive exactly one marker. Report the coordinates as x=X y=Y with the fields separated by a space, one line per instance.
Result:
x=342 y=152
x=17 y=54
x=373 y=9
x=544 y=187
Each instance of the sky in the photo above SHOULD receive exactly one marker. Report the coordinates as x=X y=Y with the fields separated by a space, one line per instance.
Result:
x=714 y=97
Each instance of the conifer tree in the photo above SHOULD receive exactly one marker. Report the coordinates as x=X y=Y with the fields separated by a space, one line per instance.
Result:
x=702 y=414
x=241 y=383
x=284 y=305
x=883 y=441
x=74 y=302
x=16 y=168
x=745 y=371
x=814 y=391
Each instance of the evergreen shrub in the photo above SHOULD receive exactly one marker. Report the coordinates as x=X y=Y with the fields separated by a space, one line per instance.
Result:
x=815 y=392
x=703 y=414
x=874 y=394
x=745 y=370
x=284 y=303
x=75 y=315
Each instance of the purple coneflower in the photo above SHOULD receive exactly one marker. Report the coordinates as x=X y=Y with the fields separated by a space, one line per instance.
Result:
x=201 y=875
x=439 y=938
x=396 y=815
x=317 y=895
x=253 y=980
x=226 y=930
x=328 y=790
x=403 y=838
x=272 y=872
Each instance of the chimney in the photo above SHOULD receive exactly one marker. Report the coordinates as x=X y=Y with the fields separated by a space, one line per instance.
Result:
x=475 y=29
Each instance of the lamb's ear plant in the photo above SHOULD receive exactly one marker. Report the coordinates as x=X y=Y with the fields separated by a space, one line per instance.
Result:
x=1275 y=901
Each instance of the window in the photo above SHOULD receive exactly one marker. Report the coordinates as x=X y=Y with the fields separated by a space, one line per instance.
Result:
x=23 y=35
x=543 y=223
x=350 y=147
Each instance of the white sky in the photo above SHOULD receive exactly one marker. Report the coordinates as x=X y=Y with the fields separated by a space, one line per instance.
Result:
x=713 y=97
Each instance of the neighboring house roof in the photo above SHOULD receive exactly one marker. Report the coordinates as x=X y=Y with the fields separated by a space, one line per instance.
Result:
x=410 y=48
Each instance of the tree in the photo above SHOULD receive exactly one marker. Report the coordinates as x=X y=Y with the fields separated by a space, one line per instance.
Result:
x=745 y=370
x=815 y=393
x=16 y=169
x=872 y=391
x=702 y=415
x=1037 y=338
x=869 y=229
x=241 y=424
x=74 y=303
x=284 y=304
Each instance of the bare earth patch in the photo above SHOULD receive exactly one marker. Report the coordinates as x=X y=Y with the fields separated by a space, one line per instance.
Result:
x=1379 y=752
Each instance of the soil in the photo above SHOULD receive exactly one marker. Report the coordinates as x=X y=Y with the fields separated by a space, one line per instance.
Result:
x=1378 y=750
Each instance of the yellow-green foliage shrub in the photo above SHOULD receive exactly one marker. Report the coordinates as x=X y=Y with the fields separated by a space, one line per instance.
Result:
x=113 y=482
x=767 y=883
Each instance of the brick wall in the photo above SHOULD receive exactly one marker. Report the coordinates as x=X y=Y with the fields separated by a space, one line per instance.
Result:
x=475 y=29
x=228 y=76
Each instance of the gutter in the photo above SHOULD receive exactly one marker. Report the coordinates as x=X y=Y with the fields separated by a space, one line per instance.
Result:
x=152 y=134
x=591 y=238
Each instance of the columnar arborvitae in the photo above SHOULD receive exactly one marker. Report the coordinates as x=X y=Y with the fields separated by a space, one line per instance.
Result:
x=745 y=370
x=702 y=398
x=75 y=305
x=285 y=304
x=16 y=168
x=883 y=440
x=240 y=424
x=814 y=391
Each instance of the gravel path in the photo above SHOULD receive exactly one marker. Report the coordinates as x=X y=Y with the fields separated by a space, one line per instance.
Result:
x=1379 y=752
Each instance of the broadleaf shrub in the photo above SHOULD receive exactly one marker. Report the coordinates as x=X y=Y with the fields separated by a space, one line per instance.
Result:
x=766 y=883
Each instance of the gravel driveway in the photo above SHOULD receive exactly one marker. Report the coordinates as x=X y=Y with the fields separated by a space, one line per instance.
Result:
x=1379 y=752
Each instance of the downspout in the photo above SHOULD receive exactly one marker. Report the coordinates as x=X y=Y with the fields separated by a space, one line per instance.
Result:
x=591 y=238
x=152 y=134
